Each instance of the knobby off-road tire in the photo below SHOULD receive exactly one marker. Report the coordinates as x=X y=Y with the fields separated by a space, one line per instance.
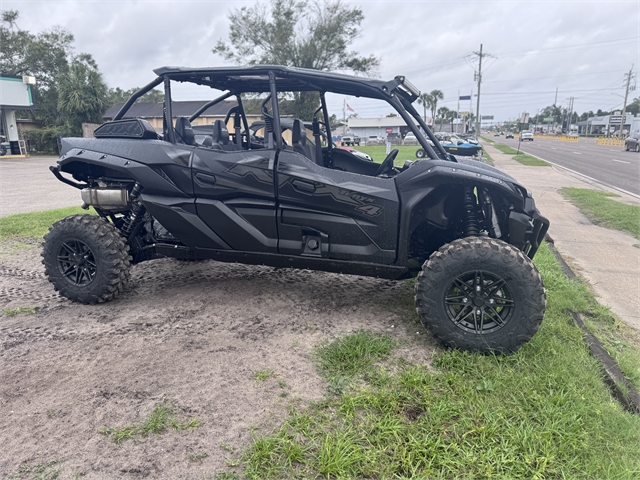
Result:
x=480 y=294
x=86 y=259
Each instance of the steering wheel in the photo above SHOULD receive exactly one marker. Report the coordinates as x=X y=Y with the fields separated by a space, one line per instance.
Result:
x=387 y=164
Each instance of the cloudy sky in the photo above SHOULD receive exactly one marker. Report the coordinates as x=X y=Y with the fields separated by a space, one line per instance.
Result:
x=581 y=48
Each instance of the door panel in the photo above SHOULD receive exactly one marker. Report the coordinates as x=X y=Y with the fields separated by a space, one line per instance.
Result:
x=235 y=197
x=350 y=216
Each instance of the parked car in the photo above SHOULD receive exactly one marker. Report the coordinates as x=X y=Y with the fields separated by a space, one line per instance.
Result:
x=410 y=139
x=632 y=142
x=467 y=231
x=526 y=135
x=375 y=140
x=5 y=147
x=350 y=139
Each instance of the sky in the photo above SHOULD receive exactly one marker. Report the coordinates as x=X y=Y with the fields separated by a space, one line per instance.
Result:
x=583 y=49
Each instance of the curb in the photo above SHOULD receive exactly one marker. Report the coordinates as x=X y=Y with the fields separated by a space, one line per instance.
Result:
x=620 y=386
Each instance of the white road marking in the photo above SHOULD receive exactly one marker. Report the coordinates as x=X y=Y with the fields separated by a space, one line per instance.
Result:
x=621 y=161
x=553 y=148
x=577 y=153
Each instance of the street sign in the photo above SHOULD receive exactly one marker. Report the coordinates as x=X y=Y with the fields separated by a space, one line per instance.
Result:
x=547 y=119
x=389 y=130
x=465 y=97
x=464 y=113
x=487 y=117
x=524 y=117
x=615 y=119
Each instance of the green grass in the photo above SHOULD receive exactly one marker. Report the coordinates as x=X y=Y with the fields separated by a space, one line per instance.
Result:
x=530 y=161
x=10 y=312
x=198 y=457
x=522 y=158
x=353 y=354
x=262 y=375
x=543 y=412
x=161 y=419
x=505 y=149
x=34 y=224
x=379 y=152
x=41 y=471
x=601 y=210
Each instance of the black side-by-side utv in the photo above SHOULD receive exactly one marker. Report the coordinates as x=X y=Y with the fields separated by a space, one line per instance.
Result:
x=219 y=191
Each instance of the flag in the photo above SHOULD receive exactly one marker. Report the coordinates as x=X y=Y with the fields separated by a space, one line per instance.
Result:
x=465 y=97
x=349 y=108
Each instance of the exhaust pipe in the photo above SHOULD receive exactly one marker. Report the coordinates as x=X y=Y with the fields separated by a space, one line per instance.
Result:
x=105 y=198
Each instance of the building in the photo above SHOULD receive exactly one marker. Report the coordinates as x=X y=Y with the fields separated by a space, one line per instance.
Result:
x=152 y=112
x=609 y=124
x=364 y=127
x=15 y=94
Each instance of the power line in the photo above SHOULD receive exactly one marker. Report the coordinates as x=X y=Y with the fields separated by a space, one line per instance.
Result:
x=578 y=46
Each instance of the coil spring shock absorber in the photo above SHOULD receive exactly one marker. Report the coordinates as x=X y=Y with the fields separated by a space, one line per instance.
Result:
x=135 y=214
x=470 y=220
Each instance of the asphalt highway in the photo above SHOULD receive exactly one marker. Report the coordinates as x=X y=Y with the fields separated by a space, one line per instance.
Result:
x=612 y=166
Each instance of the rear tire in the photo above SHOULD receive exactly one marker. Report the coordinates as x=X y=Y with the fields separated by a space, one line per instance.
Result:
x=421 y=153
x=637 y=147
x=480 y=294
x=86 y=259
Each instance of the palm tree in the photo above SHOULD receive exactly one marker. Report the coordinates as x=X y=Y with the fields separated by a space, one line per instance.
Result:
x=425 y=100
x=443 y=114
x=82 y=95
x=435 y=96
x=452 y=114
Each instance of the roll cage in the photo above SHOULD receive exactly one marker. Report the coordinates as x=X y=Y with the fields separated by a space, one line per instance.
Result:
x=235 y=81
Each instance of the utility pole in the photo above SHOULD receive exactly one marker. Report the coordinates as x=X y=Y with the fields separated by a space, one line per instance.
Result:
x=628 y=76
x=555 y=102
x=479 y=83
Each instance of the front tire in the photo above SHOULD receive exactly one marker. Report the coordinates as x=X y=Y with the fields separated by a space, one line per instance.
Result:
x=86 y=259
x=420 y=153
x=480 y=294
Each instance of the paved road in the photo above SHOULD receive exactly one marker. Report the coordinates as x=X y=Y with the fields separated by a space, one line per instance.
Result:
x=609 y=165
x=27 y=185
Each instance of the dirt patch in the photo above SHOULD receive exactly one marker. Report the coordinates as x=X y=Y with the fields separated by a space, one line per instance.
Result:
x=191 y=332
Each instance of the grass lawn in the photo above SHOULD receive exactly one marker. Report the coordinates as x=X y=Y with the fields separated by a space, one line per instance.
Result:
x=34 y=224
x=505 y=149
x=530 y=161
x=379 y=153
x=543 y=412
x=523 y=158
x=598 y=207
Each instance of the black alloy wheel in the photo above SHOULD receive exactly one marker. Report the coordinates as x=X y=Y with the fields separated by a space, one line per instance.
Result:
x=480 y=294
x=479 y=302
x=76 y=263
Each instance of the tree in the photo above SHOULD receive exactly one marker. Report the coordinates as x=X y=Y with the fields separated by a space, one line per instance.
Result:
x=452 y=115
x=634 y=107
x=443 y=115
x=47 y=56
x=117 y=95
x=425 y=100
x=435 y=96
x=82 y=95
x=313 y=34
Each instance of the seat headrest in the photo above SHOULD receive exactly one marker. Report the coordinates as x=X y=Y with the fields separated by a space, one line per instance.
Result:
x=184 y=131
x=298 y=133
x=220 y=133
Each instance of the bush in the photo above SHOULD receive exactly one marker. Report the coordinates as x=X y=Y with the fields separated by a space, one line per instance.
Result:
x=44 y=140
